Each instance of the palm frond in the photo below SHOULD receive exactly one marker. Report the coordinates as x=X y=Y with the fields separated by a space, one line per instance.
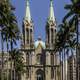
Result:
x=68 y=6
x=68 y=15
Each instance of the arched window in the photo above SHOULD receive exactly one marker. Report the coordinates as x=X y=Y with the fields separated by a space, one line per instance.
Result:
x=39 y=58
x=27 y=33
x=40 y=75
x=48 y=35
x=31 y=35
x=52 y=35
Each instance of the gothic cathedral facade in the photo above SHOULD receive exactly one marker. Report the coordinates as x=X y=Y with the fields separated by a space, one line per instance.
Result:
x=39 y=57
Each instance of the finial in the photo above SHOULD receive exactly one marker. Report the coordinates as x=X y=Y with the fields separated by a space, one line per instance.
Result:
x=51 y=2
x=27 y=1
x=39 y=38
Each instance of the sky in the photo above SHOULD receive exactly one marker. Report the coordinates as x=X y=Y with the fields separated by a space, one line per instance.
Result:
x=39 y=13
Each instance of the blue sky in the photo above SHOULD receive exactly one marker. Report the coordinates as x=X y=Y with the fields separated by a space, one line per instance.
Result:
x=39 y=13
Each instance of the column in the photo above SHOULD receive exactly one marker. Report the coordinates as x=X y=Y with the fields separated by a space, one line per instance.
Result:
x=29 y=38
x=50 y=38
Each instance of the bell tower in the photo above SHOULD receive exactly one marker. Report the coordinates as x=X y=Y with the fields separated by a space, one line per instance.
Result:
x=50 y=28
x=27 y=28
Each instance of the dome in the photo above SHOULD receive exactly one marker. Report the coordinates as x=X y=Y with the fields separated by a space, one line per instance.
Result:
x=39 y=41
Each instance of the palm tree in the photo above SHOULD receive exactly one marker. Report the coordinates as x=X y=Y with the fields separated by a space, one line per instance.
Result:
x=65 y=40
x=2 y=23
x=17 y=58
x=8 y=23
x=12 y=32
x=73 y=10
x=74 y=15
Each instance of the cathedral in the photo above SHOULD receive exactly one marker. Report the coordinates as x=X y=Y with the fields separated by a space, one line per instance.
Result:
x=41 y=63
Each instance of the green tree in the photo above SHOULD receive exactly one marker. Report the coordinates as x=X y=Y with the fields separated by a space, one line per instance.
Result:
x=8 y=24
x=73 y=15
x=17 y=59
x=65 y=41
x=3 y=19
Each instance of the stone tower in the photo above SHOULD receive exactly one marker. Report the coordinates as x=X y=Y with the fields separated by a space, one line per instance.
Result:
x=39 y=57
x=50 y=28
x=27 y=28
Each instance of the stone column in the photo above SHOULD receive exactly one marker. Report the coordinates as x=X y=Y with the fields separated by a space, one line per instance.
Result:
x=29 y=38
x=50 y=37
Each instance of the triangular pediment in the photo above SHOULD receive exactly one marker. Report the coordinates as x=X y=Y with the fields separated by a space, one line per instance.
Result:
x=39 y=48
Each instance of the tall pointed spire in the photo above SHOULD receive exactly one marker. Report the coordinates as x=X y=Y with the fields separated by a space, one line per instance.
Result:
x=50 y=28
x=28 y=14
x=27 y=28
x=51 y=13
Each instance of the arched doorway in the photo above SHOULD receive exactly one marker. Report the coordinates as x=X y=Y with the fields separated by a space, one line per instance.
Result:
x=40 y=75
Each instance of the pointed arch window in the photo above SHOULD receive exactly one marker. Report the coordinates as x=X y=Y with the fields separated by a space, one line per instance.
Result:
x=27 y=35
x=47 y=32
x=31 y=35
x=40 y=75
x=52 y=35
x=39 y=58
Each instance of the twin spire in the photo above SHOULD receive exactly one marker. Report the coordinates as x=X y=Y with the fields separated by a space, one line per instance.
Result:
x=28 y=14
x=51 y=12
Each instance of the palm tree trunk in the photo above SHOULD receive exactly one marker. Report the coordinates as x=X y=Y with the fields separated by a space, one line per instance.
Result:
x=14 y=74
x=2 y=77
x=11 y=60
x=77 y=54
x=65 y=64
x=60 y=63
x=7 y=59
x=67 y=61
